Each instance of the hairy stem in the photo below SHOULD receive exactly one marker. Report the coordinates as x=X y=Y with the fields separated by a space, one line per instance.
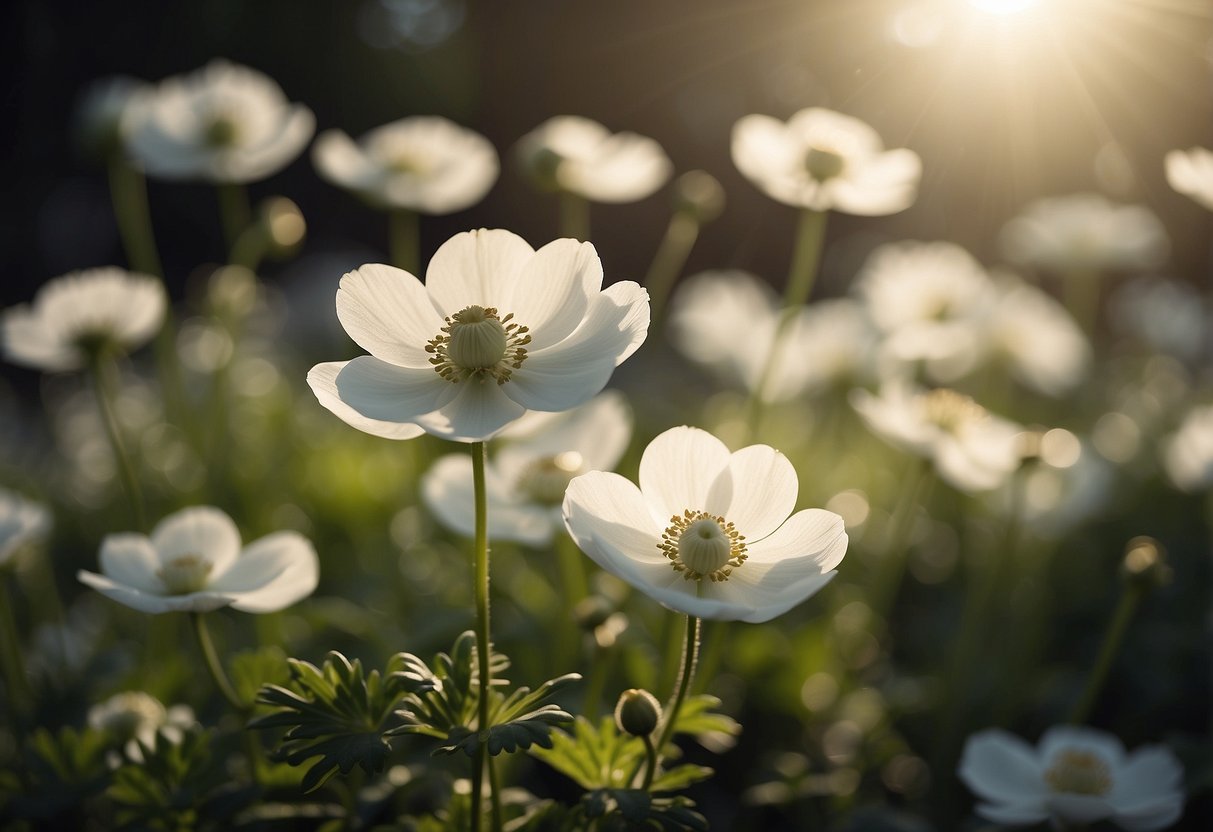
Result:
x=690 y=653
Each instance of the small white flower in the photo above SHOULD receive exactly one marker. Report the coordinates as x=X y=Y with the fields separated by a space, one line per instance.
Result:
x=193 y=562
x=825 y=161
x=1190 y=172
x=971 y=449
x=497 y=329
x=1188 y=453
x=23 y=523
x=79 y=313
x=580 y=156
x=1085 y=234
x=223 y=123
x=133 y=717
x=707 y=533
x=426 y=164
x=525 y=481
x=1036 y=338
x=929 y=300
x=1074 y=776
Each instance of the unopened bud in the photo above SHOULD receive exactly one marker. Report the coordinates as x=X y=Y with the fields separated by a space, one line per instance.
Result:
x=700 y=195
x=1145 y=563
x=637 y=712
x=284 y=225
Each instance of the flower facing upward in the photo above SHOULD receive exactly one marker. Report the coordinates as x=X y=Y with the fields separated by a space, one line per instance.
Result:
x=825 y=161
x=1190 y=172
x=707 y=533
x=426 y=164
x=580 y=156
x=76 y=315
x=497 y=329
x=1076 y=776
x=221 y=123
x=193 y=562
x=22 y=524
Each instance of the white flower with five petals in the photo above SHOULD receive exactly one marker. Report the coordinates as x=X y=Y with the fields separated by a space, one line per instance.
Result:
x=193 y=562
x=707 y=533
x=496 y=330
x=825 y=161
x=1075 y=776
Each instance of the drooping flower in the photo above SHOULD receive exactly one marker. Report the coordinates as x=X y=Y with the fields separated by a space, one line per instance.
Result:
x=1036 y=339
x=1084 y=234
x=1074 y=776
x=582 y=157
x=1188 y=453
x=23 y=523
x=222 y=123
x=76 y=315
x=132 y=718
x=526 y=479
x=972 y=449
x=497 y=329
x=426 y=164
x=194 y=562
x=1190 y=172
x=825 y=161
x=707 y=533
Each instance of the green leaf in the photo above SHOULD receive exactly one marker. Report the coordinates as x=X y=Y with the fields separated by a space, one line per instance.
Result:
x=252 y=669
x=714 y=731
x=169 y=787
x=595 y=756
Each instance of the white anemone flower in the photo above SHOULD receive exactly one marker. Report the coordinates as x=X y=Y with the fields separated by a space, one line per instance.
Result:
x=1085 y=234
x=1188 y=453
x=1074 y=777
x=972 y=450
x=74 y=316
x=825 y=161
x=133 y=718
x=929 y=300
x=23 y=523
x=1190 y=172
x=526 y=479
x=193 y=562
x=707 y=533
x=582 y=157
x=1037 y=339
x=223 y=123
x=426 y=164
x=497 y=329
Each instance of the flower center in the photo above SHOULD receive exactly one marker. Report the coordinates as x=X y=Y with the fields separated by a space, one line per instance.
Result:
x=702 y=545
x=823 y=164
x=949 y=410
x=1079 y=772
x=185 y=574
x=221 y=132
x=475 y=342
x=546 y=479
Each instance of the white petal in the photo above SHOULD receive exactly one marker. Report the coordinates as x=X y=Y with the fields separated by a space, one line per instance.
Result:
x=30 y=342
x=1078 y=808
x=883 y=185
x=201 y=531
x=323 y=380
x=151 y=603
x=551 y=293
x=271 y=573
x=1148 y=817
x=762 y=147
x=446 y=489
x=251 y=164
x=339 y=160
x=764 y=489
x=389 y=314
x=478 y=411
x=813 y=534
x=130 y=559
x=607 y=508
x=680 y=469
x=384 y=392
x=1013 y=814
x=598 y=431
x=476 y=268
x=769 y=590
x=1000 y=767
x=1148 y=774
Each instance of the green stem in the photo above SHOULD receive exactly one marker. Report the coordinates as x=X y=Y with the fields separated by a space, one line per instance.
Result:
x=203 y=635
x=128 y=195
x=891 y=566
x=690 y=652
x=404 y=240
x=650 y=754
x=1113 y=638
x=21 y=695
x=103 y=386
x=481 y=576
x=494 y=797
x=574 y=216
x=234 y=214
x=668 y=262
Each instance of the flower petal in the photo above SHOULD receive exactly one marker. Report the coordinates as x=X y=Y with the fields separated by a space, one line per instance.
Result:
x=1147 y=775
x=680 y=469
x=1000 y=767
x=763 y=488
x=384 y=392
x=389 y=314
x=271 y=573
x=130 y=559
x=1078 y=808
x=476 y=268
x=339 y=160
x=152 y=603
x=813 y=534
x=553 y=290
x=201 y=531
x=767 y=590
x=478 y=411
x=1014 y=814
x=607 y=509
x=447 y=492
x=323 y=380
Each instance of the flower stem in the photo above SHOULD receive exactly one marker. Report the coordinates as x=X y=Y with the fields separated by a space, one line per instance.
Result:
x=404 y=240
x=1114 y=636
x=128 y=195
x=103 y=386
x=16 y=682
x=207 y=647
x=668 y=262
x=650 y=754
x=234 y=214
x=574 y=216
x=481 y=573
x=690 y=653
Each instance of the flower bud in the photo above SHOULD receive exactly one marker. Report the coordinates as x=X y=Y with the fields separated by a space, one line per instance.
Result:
x=1145 y=563
x=591 y=612
x=284 y=226
x=699 y=194
x=637 y=712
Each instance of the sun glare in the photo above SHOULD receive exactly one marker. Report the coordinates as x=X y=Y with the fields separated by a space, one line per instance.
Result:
x=1003 y=6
